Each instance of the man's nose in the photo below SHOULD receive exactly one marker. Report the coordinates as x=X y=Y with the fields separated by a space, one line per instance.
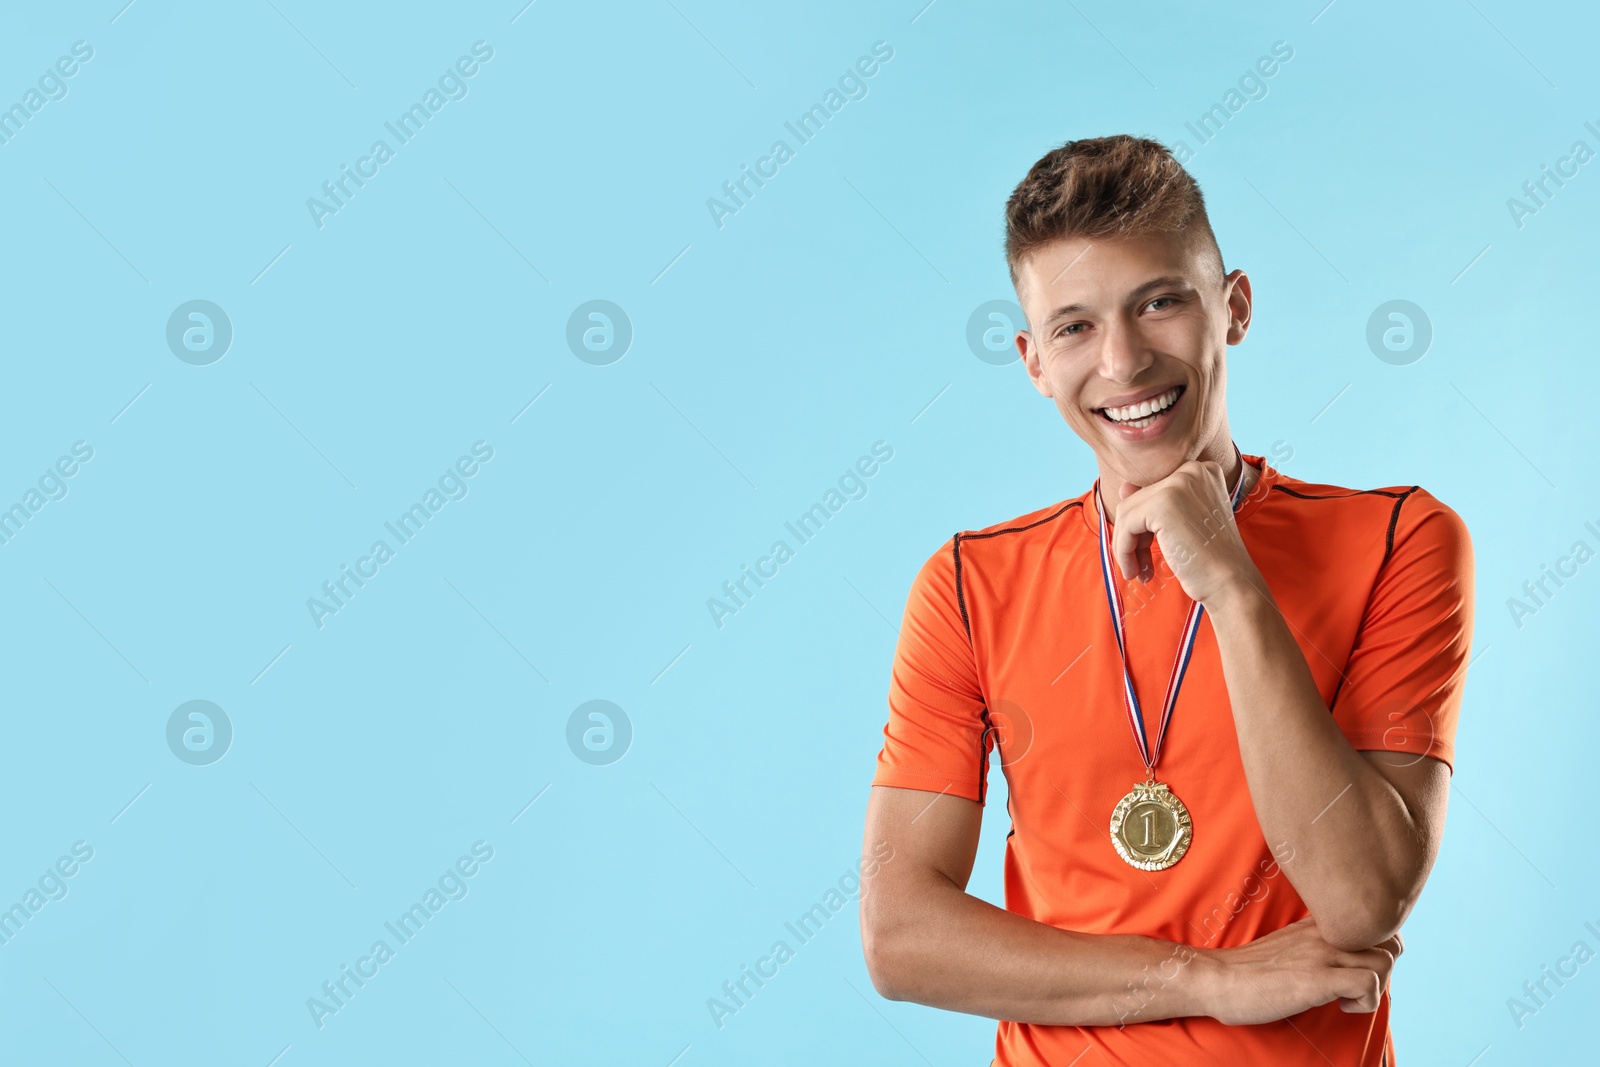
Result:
x=1122 y=354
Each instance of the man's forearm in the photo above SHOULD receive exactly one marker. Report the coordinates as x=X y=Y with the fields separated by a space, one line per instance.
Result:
x=1355 y=844
x=957 y=952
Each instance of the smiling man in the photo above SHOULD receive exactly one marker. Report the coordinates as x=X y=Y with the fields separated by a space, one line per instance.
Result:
x=1224 y=699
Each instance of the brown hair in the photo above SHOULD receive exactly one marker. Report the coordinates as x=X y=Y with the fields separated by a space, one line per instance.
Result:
x=1102 y=187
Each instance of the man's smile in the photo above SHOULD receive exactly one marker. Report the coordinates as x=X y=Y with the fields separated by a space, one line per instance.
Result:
x=1139 y=411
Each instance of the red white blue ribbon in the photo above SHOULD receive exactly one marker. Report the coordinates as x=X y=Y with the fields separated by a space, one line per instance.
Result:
x=1180 y=664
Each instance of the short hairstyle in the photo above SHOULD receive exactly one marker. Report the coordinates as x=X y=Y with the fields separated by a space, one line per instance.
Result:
x=1118 y=186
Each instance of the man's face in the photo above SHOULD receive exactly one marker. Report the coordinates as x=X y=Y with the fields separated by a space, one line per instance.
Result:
x=1128 y=336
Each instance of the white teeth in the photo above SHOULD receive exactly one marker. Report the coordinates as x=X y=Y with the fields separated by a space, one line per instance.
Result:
x=1137 y=412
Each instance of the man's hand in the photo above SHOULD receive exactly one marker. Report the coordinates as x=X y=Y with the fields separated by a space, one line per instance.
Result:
x=1189 y=514
x=1290 y=970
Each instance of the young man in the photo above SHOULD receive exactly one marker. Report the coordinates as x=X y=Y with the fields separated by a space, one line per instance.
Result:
x=1216 y=879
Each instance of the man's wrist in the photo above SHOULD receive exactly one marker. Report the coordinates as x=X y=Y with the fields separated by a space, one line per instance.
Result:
x=1176 y=981
x=1240 y=597
x=1205 y=986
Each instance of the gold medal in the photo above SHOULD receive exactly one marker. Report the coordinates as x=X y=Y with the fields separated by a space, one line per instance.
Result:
x=1150 y=827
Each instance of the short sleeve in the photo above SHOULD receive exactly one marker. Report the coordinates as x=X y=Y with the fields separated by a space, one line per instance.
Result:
x=1402 y=687
x=937 y=737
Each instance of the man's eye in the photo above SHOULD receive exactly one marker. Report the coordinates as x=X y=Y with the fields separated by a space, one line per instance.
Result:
x=1160 y=299
x=1069 y=330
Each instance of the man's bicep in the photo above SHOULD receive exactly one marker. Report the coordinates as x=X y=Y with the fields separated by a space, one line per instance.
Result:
x=930 y=834
x=917 y=854
x=1423 y=785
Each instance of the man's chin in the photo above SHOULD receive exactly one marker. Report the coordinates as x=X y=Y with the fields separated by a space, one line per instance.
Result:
x=1145 y=462
x=1142 y=462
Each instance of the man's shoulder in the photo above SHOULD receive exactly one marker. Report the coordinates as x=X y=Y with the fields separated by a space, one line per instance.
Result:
x=1394 y=499
x=1010 y=541
x=1029 y=522
x=1403 y=514
x=1298 y=487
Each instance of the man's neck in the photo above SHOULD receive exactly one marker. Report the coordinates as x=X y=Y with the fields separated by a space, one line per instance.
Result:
x=1111 y=483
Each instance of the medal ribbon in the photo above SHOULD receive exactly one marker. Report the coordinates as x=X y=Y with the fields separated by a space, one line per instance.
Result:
x=1180 y=663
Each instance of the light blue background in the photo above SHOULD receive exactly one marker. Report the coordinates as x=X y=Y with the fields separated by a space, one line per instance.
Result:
x=768 y=355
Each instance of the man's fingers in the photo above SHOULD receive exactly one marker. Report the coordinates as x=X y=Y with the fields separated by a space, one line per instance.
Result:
x=1124 y=539
x=1124 y=547
x=1134 y=561
x=1131 y=540
x=1377 y=963
x=1393 y=947
x=1361 y=1005
x=1369 y=958
x=1132 y=550
x=1359 y=989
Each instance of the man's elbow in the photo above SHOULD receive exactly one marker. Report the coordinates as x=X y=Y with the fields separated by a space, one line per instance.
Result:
x=1355 y=937
x=880 y=963
x=889 y=939
x=1372 y=921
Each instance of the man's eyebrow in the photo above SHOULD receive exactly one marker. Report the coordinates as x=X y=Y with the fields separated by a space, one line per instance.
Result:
x=1163 y=282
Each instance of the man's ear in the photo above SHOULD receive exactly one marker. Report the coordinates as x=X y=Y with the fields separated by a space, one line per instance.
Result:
x=1239 y=306
x=1030 y=359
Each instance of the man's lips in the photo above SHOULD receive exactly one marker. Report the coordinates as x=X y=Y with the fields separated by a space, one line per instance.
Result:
x=1127 y=404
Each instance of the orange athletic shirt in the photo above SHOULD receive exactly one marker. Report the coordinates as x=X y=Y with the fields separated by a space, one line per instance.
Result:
x=1007 y=643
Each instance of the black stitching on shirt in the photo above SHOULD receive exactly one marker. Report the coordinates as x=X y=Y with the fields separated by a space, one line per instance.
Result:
x=1341 y=496
x=961 y=599
x=1394 y=520
x=1031 y=525
x=983 y=754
